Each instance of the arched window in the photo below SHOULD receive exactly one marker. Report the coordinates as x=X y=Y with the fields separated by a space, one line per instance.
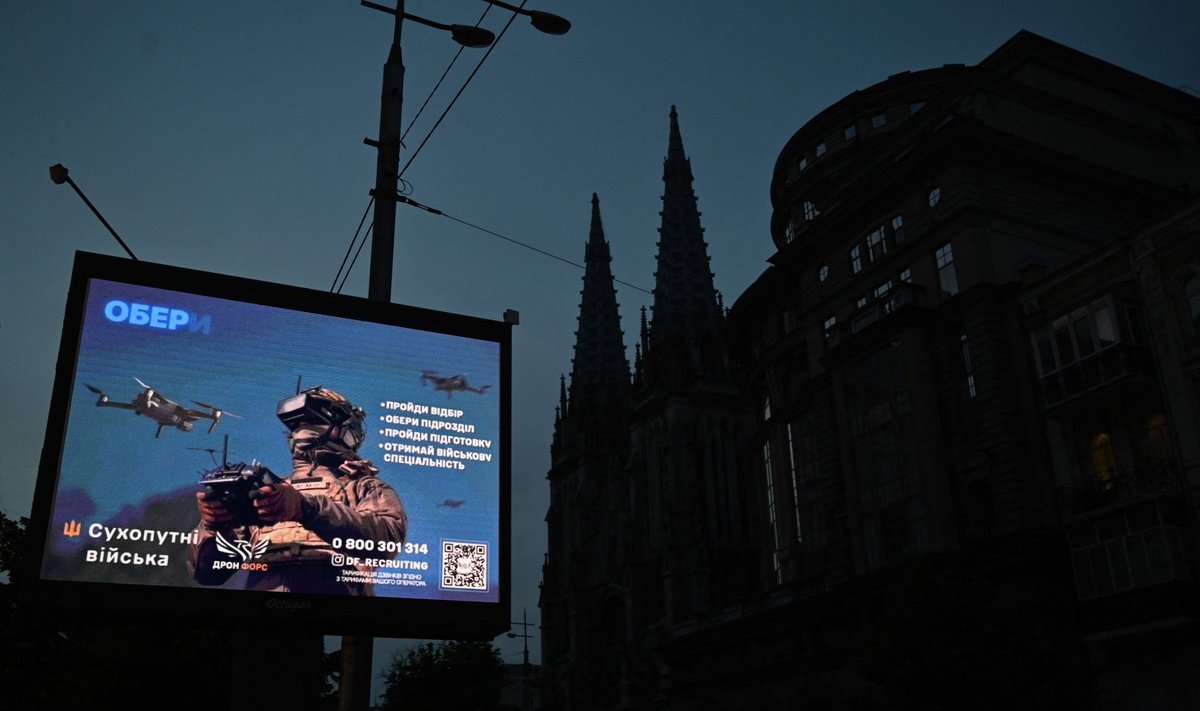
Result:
x=1191 y=292
x=1104 y=461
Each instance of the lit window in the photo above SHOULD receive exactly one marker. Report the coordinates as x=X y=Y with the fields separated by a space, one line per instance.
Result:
x=1104 y=461
x=810 y=211
x=850 y=132
x=823 y=272
x=1192 y=292
x=771 y=514
x=906 y=276
x=967 y=369
x=898 y=229
x=856 y=258
x=1158 y=438
x=883 y=289
x=789 y=233
x=829 y=324
x=793 y=466
x=820 y=149
x=947 y=277
x=862 y=301
x=878 y=120
x=935 y=196
x=876 y=246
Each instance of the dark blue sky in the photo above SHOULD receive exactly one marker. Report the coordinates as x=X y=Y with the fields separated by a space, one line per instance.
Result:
x=228 y=137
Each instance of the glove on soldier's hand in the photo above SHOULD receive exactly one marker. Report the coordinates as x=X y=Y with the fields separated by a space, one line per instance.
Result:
x=279 y=502
x=212 y=512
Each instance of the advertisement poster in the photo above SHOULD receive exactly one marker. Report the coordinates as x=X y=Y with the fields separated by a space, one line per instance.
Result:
x=176 y=393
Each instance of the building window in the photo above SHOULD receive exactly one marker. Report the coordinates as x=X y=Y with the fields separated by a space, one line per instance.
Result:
x=862 y=302
x=810 y=211
x=898 y=229
x=803 y=163
x=823 y=272
x=789 y=233
x=829 y=325
x=1104 y=461
x=856 y=259
x=947 y=277
x=935 y=196
x=967 y=367
x=850 y=132
x=777 y=573
x=793 y=462
x=906 y=276
x=820 y=149
x=885 y=462
x=1084 y=332
x=1127 y=549
x=878 y=120
x=883 y=289
x=876 y=245
x=915 y=107
x=1158 y=438
x=1192 y=291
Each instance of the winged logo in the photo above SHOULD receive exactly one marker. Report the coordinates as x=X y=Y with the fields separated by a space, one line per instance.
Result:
x=241 y=548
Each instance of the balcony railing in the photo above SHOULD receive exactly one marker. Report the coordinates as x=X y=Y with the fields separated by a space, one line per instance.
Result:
x=1099 y=369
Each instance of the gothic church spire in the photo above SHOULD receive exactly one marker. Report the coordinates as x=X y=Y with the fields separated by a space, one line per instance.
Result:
x=599 y=389
x=685 y=330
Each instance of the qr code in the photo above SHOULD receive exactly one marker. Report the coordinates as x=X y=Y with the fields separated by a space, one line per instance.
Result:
x=464 y=565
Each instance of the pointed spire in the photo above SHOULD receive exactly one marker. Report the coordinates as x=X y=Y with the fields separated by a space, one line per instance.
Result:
x=600 y=375
x=675 y=140
x=685 y=330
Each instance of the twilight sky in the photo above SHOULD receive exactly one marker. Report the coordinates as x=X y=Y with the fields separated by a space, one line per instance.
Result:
x=227 y=137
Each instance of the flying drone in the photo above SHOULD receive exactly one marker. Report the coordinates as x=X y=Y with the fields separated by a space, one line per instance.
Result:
x=167 y=413
x=450 y=383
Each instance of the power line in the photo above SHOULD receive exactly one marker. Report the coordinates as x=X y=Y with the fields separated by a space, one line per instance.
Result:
x=435 y=211
x=352 y=261
x=460 y=91
x=425 y=140
x=439 y=81
x=351 y=246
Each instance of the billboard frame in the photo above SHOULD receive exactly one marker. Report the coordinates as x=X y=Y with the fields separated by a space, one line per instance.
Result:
x=326 y=614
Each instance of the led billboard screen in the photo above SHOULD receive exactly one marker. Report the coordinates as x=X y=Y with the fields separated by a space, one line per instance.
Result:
x=220 y=444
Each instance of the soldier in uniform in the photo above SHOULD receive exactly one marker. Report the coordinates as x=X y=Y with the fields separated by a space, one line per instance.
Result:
x=332 y=494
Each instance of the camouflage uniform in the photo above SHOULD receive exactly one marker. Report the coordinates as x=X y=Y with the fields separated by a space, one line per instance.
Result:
x=348 y=502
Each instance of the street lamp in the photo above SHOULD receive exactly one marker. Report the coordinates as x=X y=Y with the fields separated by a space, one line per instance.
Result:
x=59 y=175
x=544 y=21
x=387 y=168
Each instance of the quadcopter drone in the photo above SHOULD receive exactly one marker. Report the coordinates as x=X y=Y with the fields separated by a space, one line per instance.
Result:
x=449 y=383
x=166 y=413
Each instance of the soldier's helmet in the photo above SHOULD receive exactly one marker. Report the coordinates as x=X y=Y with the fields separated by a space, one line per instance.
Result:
x=322 y=406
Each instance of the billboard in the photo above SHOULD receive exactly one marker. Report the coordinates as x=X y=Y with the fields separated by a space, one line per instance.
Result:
x=235 y=449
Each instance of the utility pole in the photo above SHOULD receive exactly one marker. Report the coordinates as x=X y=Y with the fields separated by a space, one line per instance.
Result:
x=387 y=167
x=526 y=697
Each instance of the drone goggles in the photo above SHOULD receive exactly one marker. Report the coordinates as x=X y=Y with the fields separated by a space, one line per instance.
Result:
x=322 y=406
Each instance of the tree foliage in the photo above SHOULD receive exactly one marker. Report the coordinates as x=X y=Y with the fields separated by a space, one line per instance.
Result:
x=444 y=677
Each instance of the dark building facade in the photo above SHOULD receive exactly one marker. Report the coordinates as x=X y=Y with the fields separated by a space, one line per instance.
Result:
x=943 y=453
